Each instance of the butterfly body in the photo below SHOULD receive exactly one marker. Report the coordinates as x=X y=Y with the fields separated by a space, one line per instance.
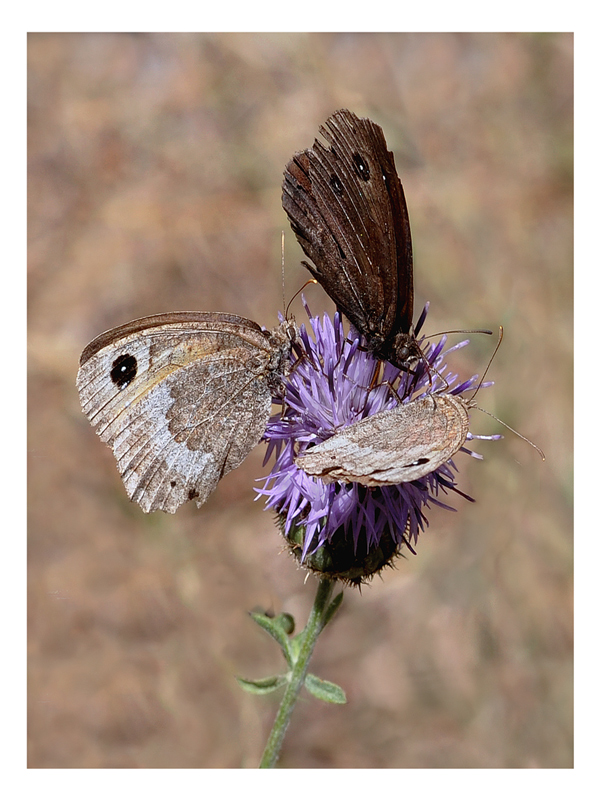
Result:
x=181 y=399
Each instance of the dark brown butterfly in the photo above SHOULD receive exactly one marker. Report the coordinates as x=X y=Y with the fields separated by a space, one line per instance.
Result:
x=346 y=206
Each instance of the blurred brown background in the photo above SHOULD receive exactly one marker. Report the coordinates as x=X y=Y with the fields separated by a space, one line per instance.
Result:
x=154 y=185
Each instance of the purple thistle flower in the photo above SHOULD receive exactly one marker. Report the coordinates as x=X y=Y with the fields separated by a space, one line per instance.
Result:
x=362 y=528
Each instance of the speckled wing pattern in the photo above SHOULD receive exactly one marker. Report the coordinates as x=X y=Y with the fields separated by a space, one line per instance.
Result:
x=399 y=445
x=181 y=399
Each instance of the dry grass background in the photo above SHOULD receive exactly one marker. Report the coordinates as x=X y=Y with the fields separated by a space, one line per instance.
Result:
x=155 y=163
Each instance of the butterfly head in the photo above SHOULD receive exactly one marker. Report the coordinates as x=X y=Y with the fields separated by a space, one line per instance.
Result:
x=405 y=352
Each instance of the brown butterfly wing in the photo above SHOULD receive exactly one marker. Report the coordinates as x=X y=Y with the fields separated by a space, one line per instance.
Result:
x=181 y=399
x=346 y=206
x=400 y=445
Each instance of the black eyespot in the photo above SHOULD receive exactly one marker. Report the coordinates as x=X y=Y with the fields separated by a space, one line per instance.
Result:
x=192 y=494
x=124 y=370
x=362 y=168
x=336 y=185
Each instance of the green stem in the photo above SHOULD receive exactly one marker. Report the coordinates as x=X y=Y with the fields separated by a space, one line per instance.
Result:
x=314 y=626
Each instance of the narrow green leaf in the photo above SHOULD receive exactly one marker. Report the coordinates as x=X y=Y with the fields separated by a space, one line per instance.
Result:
x=262 y=685
x=274 y=628
x=325 y=690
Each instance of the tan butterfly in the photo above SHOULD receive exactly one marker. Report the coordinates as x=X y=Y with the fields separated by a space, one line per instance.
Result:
x=181 y=399
x=399 y=445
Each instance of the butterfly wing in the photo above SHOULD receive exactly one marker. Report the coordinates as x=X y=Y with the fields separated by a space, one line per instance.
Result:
x=346 y=206
x=181 y=399
x=396 y=446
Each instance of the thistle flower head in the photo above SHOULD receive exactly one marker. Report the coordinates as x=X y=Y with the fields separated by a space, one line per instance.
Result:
x=333 y=383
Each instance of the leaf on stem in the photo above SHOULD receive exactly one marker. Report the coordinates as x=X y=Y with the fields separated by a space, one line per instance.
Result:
x=325 y=690
x=262 y=685
x=277 y=628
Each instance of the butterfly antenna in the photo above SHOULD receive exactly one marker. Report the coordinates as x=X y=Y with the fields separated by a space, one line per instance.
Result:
x=443 y=333
x=429 y=367
x=512 y=430
x=479 y=385
x=301 y=289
